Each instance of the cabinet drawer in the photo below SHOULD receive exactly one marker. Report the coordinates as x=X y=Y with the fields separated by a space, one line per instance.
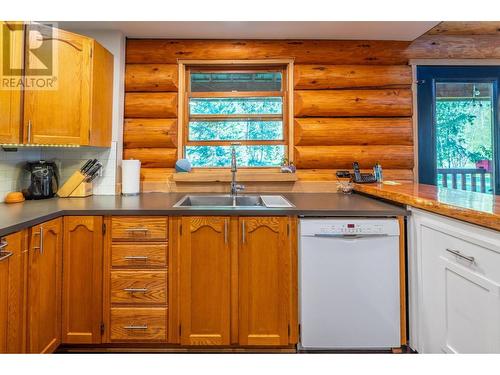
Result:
x=481 y=260
x=139 y=255
x=138 y=324
x=139 y=228
x=139 y=287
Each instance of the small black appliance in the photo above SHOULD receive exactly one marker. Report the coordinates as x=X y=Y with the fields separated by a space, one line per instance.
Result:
x=40 y=180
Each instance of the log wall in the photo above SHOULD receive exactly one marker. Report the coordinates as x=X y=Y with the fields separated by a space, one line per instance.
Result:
x=352 y=101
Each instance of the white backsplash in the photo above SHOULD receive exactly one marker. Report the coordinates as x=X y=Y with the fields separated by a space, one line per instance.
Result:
x=68 y=161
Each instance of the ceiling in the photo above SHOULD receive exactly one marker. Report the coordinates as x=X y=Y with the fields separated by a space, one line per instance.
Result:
x=355 y=30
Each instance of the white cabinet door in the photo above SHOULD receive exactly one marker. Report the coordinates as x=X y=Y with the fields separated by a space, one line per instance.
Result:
x=455 y=297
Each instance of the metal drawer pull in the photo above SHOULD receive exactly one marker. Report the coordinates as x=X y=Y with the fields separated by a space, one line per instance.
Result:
x=4 y=255
x=133 y=230
x=460 y=255
x=145 y=326
x=136 y=257
x=3 y=244
x=136 y=290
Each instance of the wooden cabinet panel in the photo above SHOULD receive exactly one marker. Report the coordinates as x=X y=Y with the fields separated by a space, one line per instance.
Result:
x=265 y=284
x=62 y=115
x=16 y=288
x=144 y=255
x=45 y=274
x=205 y=281
x=138 y=287
x=139 y=228
x=82 y=280
x=138 y=324
x=4 y=298
x=10 y=99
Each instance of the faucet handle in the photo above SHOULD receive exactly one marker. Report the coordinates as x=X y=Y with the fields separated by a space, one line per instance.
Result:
x=239 y=187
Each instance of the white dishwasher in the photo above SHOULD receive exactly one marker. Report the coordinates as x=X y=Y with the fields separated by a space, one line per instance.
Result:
x=349 y=284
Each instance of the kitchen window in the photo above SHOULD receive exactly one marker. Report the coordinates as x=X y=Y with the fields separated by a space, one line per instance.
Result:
x=243 y=107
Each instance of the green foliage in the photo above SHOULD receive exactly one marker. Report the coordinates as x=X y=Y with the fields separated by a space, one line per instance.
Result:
x=463 y=132
x=237 y=130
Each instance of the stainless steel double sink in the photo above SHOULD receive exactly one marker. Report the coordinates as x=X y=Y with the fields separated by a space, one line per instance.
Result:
x=240 y=201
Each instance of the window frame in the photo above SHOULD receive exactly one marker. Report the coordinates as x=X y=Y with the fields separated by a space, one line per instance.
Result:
x=186 y=67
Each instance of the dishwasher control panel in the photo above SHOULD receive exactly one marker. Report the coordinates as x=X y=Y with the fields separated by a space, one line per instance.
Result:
x=349 y=226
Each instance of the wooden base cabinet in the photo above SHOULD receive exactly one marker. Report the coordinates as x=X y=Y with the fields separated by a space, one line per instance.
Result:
x=205 y=281
x=44 y=293
x=265 y=281
x=82 y=280
x=236 y=281
x=13 y=262
x=454 y=286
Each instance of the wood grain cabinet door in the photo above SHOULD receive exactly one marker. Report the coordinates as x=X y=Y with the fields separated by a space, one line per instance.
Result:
x=265 y=287
x=82 y=280
x=10 y=96
x=45 y=274
x=60 y=115
x=14 y=315
x=205 y=281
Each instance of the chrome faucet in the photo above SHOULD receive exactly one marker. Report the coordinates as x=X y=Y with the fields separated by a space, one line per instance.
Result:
x=234 y=186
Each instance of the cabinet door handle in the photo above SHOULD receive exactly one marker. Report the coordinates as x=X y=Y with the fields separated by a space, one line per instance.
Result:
x=225 y=231
x=136 y=257
x=243 y=237
x=135 y=230
x=3 y=244
x=4 y=255
x=29 y=131
x=41 y=240
x=136 y=290
x=460 y=255
x=145 y=326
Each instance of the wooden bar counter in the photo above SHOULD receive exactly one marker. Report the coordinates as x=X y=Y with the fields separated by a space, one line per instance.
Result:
x=476 y=208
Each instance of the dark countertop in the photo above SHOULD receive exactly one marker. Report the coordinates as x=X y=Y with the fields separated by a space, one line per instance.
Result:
x=17 y=216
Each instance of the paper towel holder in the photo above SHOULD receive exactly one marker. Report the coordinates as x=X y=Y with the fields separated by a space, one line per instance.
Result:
x=131 y=188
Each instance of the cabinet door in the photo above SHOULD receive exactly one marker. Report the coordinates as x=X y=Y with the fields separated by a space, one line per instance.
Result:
x=265 y=287
x=44 y=303
x=60 y=115
x=205 y=281
x=10 y=97
x=460 y=299
x=4 y=297
x=82 y=280
x=16 y=311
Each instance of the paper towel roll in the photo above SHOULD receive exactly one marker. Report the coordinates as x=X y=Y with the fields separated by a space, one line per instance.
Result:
x=131 y=177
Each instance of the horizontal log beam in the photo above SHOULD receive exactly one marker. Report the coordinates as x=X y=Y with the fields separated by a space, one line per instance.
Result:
x=151 y=133
x=353 y=131
x=151 y=77
x=150 y=105
x=167 y=51
x=340 y=157
x=353 y=103
x=156 y=174
x=455 y=47
x=350 y=76
x=152 y=157
x=329 y=174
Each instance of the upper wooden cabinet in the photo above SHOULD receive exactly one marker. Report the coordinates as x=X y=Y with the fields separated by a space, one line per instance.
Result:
x=205 y=281
x=11 y=42
x=82 y=280
x=44 y=295
x=78 y=110
x=265 y=281
x=68 y=104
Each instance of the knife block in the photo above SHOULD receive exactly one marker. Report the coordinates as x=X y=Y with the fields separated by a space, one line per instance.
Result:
x=71 y=184
x=83 y=190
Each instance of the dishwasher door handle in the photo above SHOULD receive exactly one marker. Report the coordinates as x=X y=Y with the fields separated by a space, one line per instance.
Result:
x=348 y=236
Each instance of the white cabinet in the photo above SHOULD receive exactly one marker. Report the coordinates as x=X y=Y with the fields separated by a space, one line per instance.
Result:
x=454 y=271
